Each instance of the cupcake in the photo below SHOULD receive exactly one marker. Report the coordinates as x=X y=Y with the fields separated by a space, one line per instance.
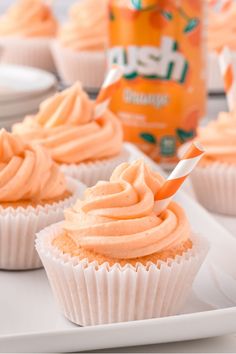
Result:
x=214 y=179
x=33 y=194
x=79 y=51
x=86 y=149
x=113 y=259
x=26 y=31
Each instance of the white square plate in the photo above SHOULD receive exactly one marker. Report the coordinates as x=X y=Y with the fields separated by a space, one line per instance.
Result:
x=30 y=320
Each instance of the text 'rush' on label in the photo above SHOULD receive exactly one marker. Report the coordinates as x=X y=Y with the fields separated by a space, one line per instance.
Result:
x=164 y=62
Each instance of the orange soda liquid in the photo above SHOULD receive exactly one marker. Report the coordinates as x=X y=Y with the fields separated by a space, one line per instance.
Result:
x=162 y=96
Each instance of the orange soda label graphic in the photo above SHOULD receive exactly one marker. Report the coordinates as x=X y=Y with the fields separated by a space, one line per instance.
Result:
x=161 y=98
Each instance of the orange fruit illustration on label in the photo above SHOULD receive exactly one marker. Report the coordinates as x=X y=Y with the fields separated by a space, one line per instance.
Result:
x=195 y=37
x=159 y=19
x=191 y=119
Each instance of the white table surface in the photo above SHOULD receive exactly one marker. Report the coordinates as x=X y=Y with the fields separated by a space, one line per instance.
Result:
x=225 y=344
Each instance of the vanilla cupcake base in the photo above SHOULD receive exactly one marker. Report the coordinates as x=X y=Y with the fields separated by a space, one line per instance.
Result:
x=92 y=172
x=34 y=52
x=19 y=226
x=91 y=294
x=215 y=187
x=89 y=67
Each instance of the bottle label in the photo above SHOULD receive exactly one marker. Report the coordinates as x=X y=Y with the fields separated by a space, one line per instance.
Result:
x=161 y=98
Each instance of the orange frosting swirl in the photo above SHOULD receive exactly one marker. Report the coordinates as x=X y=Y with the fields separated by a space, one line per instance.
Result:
x=219 y=139
x=87 y=27
x=65 y=126
x=116 y=219
x=222 y=28
x=27 y=172
x=28 y=18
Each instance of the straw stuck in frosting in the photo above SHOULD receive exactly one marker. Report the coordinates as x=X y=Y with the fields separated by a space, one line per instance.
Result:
x=116 y=219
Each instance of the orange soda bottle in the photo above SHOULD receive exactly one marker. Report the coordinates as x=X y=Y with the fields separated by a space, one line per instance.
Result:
x=162 y=96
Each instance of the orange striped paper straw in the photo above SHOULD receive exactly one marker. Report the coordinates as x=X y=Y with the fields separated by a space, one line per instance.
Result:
x=227 y=72
x=225 y=58
x=220 y=5
x=108 y=88
x=178 y=176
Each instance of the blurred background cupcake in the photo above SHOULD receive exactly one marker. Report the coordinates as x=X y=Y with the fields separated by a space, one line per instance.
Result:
x=214 y=179
x=33 y=194
x=86 y=148
x=114 y=259
x=26 y=31
x=79 y=51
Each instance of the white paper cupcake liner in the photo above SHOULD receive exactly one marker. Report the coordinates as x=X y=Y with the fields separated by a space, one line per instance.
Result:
x=92 y=172
x=215 y=187
x=34 y=52
x=89 y=67
x=91 y=294
x=18 y=228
